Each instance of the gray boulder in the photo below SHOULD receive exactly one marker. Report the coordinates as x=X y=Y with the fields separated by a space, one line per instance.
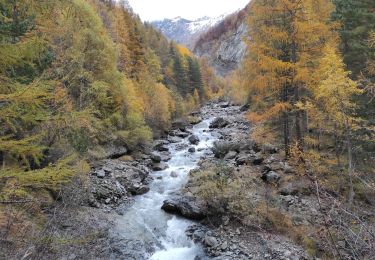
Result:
x=159 y=166
x=191 y=150
x=193 y=139
x=182 y=134
x=139 y=189
x=210 y=241
x=174 y=139
x=165 y=156
x=219 y=123
x=230 y=155
x=271 y=177
x=224 y=104
x=100 y=173
x=243 y=159
x=195 y=120
x=258 y=159
x=186 y=207
x=155 y=157
x=160 y=146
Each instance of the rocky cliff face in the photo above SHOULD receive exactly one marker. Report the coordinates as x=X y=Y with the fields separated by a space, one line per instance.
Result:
x=223 y=45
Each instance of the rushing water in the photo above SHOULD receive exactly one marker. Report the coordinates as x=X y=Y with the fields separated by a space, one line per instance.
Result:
x=146 y=223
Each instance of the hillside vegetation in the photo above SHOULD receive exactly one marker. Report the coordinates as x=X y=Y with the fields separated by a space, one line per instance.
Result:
x=80 y=80
x=308 y=84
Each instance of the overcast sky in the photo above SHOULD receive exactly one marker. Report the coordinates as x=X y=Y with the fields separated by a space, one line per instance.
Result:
x=151 y=10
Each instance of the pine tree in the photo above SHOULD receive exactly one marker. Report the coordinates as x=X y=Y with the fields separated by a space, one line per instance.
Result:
x=357 y=19
x=286 y=41
x=334 y=98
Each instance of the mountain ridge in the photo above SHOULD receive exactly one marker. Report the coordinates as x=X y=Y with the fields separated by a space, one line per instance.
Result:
x=185 y=31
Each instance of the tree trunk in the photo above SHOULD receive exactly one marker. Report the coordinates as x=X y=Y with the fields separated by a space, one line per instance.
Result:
x=350 y=163
x=298 y=117
x=296 y=88
x=2 y=159
x=285 y=120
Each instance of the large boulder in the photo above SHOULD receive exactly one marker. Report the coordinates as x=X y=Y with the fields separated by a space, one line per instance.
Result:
x=113 y=151
x=222 y=148
x=193 y=139
x=186 y=207
x=219 y=123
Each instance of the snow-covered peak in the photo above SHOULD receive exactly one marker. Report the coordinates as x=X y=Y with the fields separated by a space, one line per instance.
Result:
x=185 y=31
x=204 y=23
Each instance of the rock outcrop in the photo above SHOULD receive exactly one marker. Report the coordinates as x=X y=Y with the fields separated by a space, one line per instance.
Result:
x=223 y=45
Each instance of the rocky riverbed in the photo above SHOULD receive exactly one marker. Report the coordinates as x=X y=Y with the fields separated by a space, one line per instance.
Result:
x=144 y=205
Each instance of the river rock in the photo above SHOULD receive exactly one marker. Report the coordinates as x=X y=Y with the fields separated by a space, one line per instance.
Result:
x=165 y=156
x=174 y=174
x=191 y=150
x=258 y=159
x=271 y=177
x=100 y=173
x=224 y=104
x=182 y=146
x=114 y=151
x=210 y=241
x=179 y=134
x=219 y=123
x=155 y=157
x=160 y=145
x=159 y=166
x=194 y=120
x=186 y=207
x=193 y=139
x=174 y=139
x=231 y=155
x=142 y=190
x=243 y=159
x=224 y=246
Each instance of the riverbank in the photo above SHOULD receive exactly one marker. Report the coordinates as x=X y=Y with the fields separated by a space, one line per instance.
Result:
x=205 y=191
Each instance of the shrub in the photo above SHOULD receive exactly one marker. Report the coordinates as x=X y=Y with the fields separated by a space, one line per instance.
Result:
x=221 y=192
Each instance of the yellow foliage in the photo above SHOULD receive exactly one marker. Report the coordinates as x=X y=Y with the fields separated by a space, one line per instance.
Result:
x=160 y=108
x=184 y=51
x=272 y=112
